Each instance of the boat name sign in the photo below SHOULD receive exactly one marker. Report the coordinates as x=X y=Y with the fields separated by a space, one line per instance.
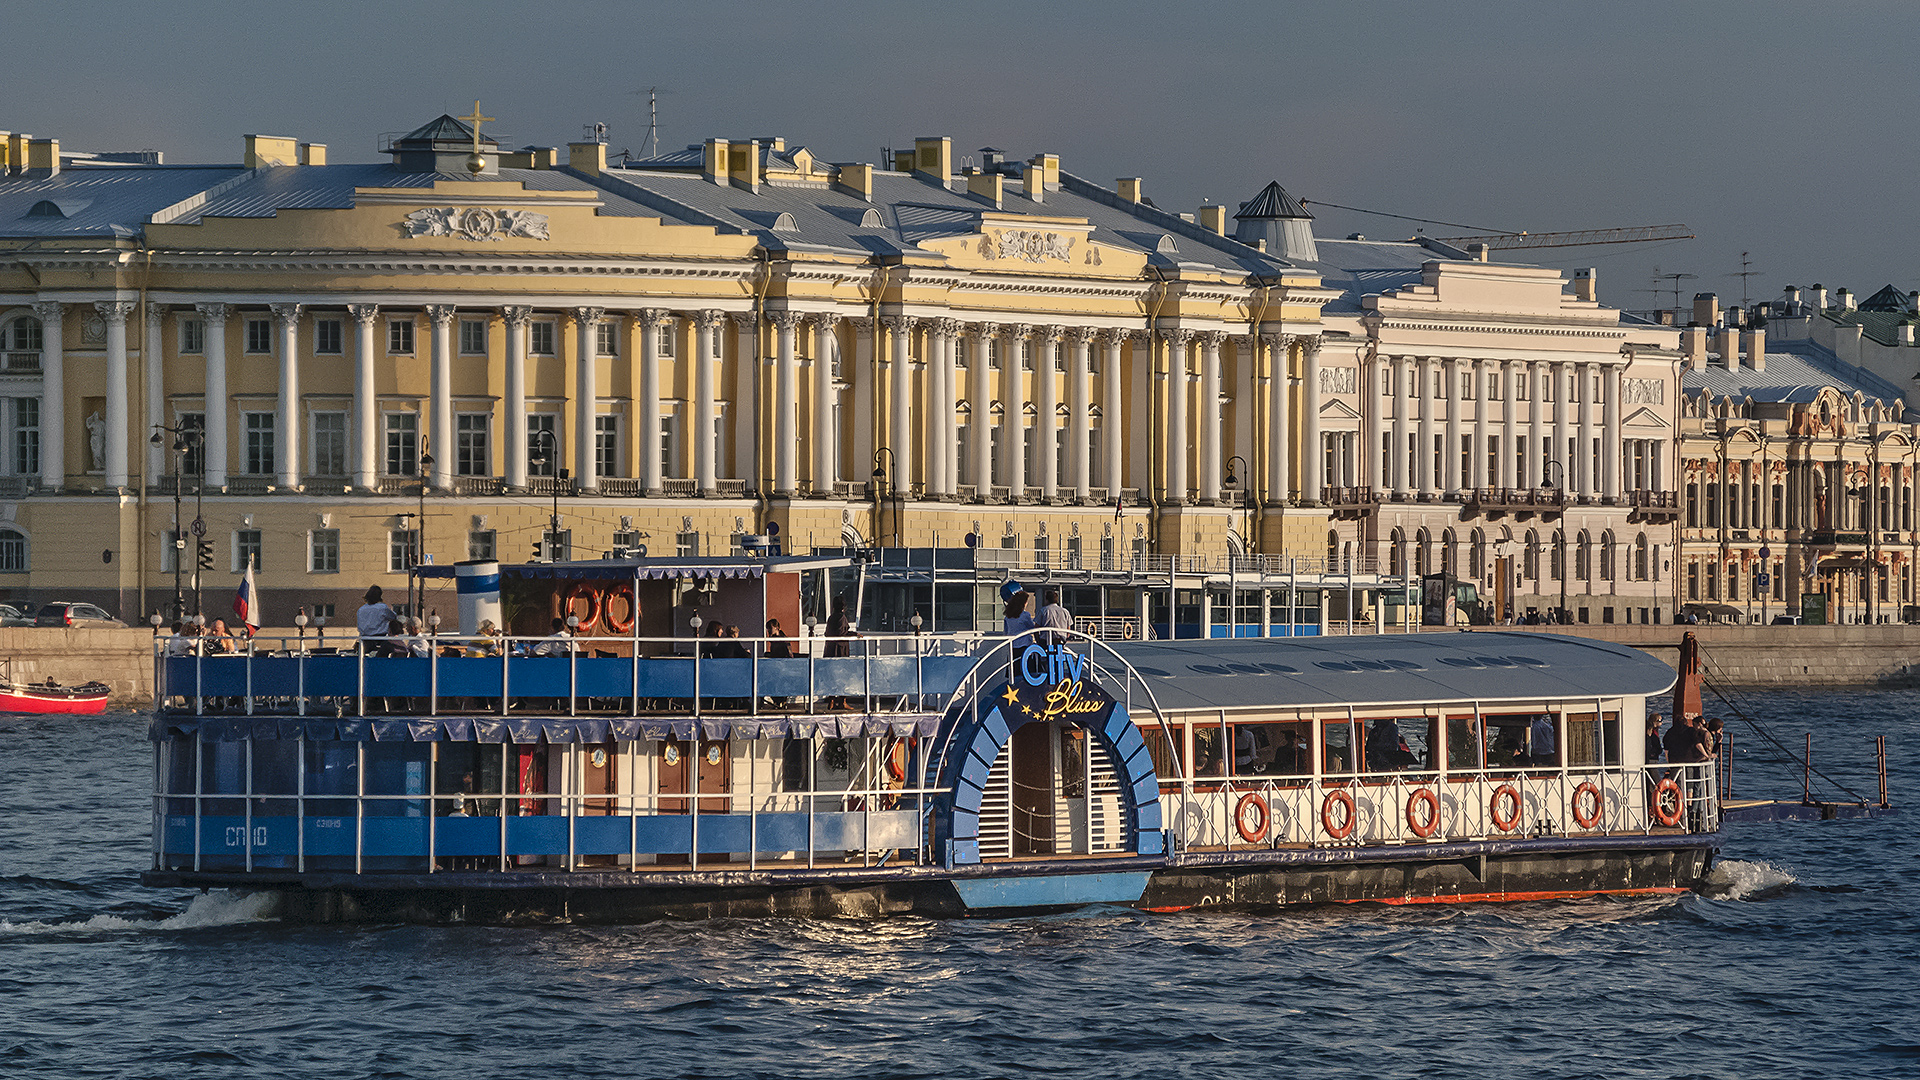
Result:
x=1052 y=684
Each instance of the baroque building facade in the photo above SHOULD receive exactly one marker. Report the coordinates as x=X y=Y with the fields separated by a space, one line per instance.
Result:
x=364 y=366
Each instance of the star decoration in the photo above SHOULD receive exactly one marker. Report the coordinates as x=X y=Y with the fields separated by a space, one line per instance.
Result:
x=1009 y=697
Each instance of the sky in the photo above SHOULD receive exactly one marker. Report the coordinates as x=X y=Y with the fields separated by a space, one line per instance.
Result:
x=1782 y=131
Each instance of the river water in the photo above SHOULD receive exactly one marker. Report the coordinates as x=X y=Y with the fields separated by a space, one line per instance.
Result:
x=1801 y=959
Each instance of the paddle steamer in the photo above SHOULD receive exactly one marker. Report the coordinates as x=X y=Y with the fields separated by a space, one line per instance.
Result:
x=639 y=769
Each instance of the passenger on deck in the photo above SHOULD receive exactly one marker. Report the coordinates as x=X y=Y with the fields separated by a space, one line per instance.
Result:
x=558 y=643
x=1016 y=619
x=1654 y=743
x=1715 y=729
x=487 y=640
x=219 y=640
x=1541 y=735
x=840 y=635
x=779 y=646
x=1053 y=617
x=1386 y=752
x=1290 y=756
x=1686 y=742
x=181 y=643
x=373 y=619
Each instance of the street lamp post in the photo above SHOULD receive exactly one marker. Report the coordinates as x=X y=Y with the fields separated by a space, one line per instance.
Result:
x=551 y=454
x=880 y=474
x=183 y=439
x=420 y=532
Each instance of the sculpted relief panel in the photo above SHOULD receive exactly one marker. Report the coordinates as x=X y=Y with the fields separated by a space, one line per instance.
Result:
x=476 y=224
x=1026 y=244
x=1643 y=391
x=1339 y=380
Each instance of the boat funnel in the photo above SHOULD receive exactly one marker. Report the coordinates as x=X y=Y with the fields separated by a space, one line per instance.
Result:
x=477 y=583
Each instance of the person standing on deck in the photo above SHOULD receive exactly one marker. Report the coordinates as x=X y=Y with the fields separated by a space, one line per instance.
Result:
x=1053 y=617
x=373 y=618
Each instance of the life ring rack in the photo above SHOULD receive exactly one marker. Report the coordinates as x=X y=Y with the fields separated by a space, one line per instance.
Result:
x=1504 y=807
x=582 y=590
x=1256 y=803
x=1669 y=786
x=622 y=590
x=1424 y=829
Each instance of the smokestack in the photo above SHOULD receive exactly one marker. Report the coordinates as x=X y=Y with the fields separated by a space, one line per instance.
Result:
x=1754 y=343
x=1727 y=344
x=1586 y=285
x=1693 y=347
x=1706 y=309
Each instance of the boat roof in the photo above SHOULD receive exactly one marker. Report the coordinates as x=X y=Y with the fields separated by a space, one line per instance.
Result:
x=701 y=566
x=1392 y=669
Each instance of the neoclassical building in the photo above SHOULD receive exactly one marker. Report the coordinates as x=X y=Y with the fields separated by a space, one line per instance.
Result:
x=343 y=369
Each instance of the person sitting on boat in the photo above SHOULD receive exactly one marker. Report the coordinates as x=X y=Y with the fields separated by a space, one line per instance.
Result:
x=487 y=640
x=181 y=643
x=373 y=619
x=220 y=640
x=1053 y=616
x=779 y=646
x=558 y=643
x=1386 y=751
x=1290 y=756
x=1016 y=619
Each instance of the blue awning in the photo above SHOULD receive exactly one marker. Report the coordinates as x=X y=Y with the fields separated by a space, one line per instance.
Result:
x=532 y=729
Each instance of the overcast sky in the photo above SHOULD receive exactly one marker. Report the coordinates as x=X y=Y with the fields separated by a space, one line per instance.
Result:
x=1784 y=130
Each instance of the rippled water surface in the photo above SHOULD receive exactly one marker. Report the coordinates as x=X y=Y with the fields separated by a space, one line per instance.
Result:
x=1800 y=960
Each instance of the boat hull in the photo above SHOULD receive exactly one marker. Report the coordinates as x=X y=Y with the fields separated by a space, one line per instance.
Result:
x=1489 y=871
x=16 y=700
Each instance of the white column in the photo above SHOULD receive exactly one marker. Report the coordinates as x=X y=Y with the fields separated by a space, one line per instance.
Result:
x=1538 y=374
x=786 y=409
x=900 y=437
x=867 y=402
x=1397 y=453
x=153 y=358
x=1112 y=415
x=214 y=398
x=821 y=436
x=1208 y=416
x=1177 y=443
x=706 y=330
x=1588 y=483
x=286 y=435
x=1373 y=406
x=53 y=393
x=982 y=418
x=650 y=320
x=1562 y=427
x=1450 y=459
x=1013 y=404
x=746 y=398
x=1423 y=453
x=1310 y=474
x=1046 y=420
x=1611 y=445
x=1279 y=427
x=440 y=397
x=1510 y=425
x=115 y=440
x=1079 y=402
x=939 y=408
x=366 y=411
x=515 y=318
x=586 y=395
x=1482 y=403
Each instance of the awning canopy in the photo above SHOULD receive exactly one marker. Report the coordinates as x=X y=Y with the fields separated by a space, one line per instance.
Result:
x=533 y=729
x=697 y=567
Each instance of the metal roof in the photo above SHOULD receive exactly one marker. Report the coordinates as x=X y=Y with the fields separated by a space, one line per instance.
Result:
x=1390 y=669
x=1797 y=371
x=694 y=566
x=1273 y=202
x=94 y=201
x=331 y=187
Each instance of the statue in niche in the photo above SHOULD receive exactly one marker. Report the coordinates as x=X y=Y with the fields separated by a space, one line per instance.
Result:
x=97 y=440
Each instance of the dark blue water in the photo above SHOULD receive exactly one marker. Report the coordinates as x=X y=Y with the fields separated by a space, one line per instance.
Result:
x=1801 y=961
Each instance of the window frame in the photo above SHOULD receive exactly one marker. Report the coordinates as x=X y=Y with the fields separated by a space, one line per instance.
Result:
x=248 y=345
x=463 y=448
x=259 y=456
x=244 y=540
x=387 y=434
x=467 y=348
x=320 y=550
x=313 y=442
x=324 y=326
x=12 y=538
x=402 y=339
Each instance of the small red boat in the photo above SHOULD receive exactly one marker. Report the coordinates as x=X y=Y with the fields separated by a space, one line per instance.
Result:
x=18 y=697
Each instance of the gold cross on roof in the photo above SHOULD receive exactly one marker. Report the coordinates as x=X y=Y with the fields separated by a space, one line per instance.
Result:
x=474 y=122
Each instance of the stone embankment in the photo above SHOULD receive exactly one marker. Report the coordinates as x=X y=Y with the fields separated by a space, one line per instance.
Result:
x=1779 y=656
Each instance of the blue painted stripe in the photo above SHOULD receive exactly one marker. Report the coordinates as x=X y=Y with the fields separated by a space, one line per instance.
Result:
x=1053 y=890
x=489 y=583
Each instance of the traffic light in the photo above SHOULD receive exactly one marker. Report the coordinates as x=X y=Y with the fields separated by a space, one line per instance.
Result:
x=539 y=551
x=205 y=553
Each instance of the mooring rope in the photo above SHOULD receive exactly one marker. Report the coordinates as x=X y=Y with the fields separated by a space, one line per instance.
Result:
x=1760 y=729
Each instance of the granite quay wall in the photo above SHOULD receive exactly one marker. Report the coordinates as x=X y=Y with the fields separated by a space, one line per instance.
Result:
x=1771 y=656
x=123 y=659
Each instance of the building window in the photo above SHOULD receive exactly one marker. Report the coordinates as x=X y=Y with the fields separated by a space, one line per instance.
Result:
x=403 y=444
x=323 y=551
x=669 y=439
x=194 y=462
x=540 y=338
x=400 y=548
x=473 y=337
x=327 y=337
x=606 y=445
x=542 y=449
x=686 y=545
x=668 y=331
x=259 y=448
x=193 y=336
x=322 y=611
x=626 y=544
x=329 y=444
x=13 y=552
x=259 y=335
x=246 y=550
x=606 y=339
x=470 y=445
x=480 y=544
x=400 y=337
x=26 y=436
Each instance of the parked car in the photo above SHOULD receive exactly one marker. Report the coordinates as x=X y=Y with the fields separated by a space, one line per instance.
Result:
x=13 y=616
x=69 y=613
x=1786 y=620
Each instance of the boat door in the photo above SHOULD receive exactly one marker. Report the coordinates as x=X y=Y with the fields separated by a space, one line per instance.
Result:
x=678 y=760
x=1035 y=784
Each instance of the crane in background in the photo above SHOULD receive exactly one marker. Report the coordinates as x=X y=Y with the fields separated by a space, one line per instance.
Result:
x=1636 y=234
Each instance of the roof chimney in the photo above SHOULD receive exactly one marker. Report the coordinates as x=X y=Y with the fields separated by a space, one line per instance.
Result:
x=1754 y=344
x=587 y=157
x=1586 y=285
x=856 y=180
x=933 y=159
x=1214 y=219
x=270 y=150
x=1034 y=179
x=1706 y=309
x=1693 y=347
x=1726 y=343
x=313 y=153
x=1049 y=168
x=1913 y=300
x=43 y=157
x=1819 y=298
x=1844 y=298
x=1129 y=188
x=1904 y=335
x=1478 y=252
x=743 y=165
x=987 y=185
x=1793 y=300
x=713 y=162
x=17 y=150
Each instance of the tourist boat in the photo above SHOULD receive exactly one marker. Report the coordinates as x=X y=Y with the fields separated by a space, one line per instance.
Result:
x=642 y=771
x=49 y=697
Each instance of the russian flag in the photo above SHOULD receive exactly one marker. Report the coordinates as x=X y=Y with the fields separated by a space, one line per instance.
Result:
x=246 y=602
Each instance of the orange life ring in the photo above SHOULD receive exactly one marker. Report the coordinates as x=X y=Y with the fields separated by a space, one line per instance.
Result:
x=1508 y=795
x=1668 y=786
x=1342 y=831
x=1252 y=801
x=624 y=591
x=1584 y=818
x=897 y=761
x=576 y=591
x=1423 y=797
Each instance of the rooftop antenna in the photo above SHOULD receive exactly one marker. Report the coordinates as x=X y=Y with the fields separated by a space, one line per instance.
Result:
x=1746 y=271
x=595 y=132
x=1676 y=279
x=653 y=122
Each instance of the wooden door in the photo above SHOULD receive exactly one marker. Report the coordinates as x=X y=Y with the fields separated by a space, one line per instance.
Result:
x=679 y=758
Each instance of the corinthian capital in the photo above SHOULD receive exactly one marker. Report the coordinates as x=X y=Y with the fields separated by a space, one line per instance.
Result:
x=786 y=322
x=709 y=319
x=156 y=314
x=440 y=314
x=215 y=314
x=114 y=311
x=824 y=320
x=516 y=315
x=590 y=316
x=285 y=314
x=899 y=324
x=49 y=311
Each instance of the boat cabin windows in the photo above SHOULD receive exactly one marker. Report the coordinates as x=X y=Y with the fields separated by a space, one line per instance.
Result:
x=1522 y=740
x=1397 y=744
x=1269 y=749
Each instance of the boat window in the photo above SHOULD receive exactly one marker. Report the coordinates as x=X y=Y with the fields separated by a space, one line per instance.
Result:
x=1396 y=744
x=1464 y=743
x=333 y=768
x=1591 y=743
x=1337 y=750
x=276 y=769
x=1270 y=749
x=1160 y=751
x=1207 y=759
x=397 y=769
x=1522 y=740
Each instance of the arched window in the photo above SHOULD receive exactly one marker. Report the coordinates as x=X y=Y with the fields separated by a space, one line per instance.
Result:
x=1733 y=579
x=1333 y=552
x=1477 y=555
x=1640 y=557
x=1422 y=553
x=23 y=334
x=1397 y=553
x=1558 y=565
x=1607 y=555
x=1582 y=557
x=13 y=552
x=1449 y=554
x=1531 y=559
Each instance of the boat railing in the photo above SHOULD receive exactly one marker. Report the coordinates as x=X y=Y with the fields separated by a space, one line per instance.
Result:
x=450 y=674
x=1418 y=807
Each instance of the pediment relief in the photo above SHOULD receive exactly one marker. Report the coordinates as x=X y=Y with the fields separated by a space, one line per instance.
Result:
x=1646 y=418
x=1337 y=410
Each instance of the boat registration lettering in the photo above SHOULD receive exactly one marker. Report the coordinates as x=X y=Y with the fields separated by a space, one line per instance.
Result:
x=237 y=836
